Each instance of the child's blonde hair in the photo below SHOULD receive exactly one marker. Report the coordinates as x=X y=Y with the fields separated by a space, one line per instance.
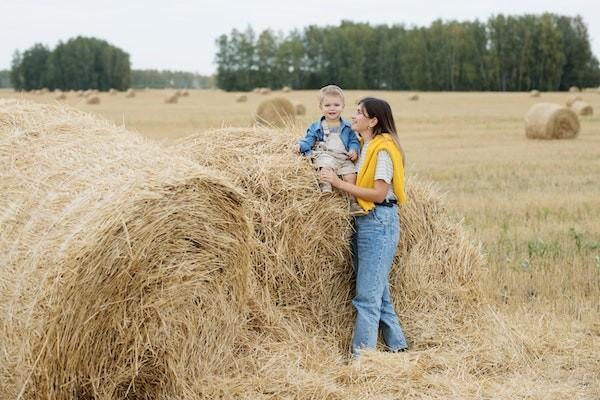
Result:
x=331 y=90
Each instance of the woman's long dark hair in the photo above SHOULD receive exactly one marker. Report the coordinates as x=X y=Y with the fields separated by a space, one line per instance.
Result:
x=377 y=108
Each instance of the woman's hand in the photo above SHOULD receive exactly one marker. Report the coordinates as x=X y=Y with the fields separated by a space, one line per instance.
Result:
x=329 y=175
x=352 y=155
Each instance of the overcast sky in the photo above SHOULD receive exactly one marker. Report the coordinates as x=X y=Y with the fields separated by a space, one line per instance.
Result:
x=180 y=35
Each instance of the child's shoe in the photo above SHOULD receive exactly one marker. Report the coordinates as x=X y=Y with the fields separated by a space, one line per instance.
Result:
x=325 y=187
x=355 y=210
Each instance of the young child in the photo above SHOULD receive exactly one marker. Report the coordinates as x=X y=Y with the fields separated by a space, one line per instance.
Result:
x=331 y=143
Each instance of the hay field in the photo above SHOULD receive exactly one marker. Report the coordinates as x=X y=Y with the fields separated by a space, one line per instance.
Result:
x=535 y=206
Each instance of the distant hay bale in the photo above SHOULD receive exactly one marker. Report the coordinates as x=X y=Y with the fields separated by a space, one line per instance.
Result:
x=551 y=121
x=130 y=93
x=582 y=108
x=574 y=89
x=265 y=91
x=301 y=263
x=241 y=98
x=256 y=90
x=112 y=91
x=178 y=92
x=171 y=98
x=534 y=93
x=573 y=99
x=124 y=265
x=299 y=108
x=286 y=89
x=60 y=96
x=413 y=97
x=277 y=112
x=92 y=99
x=185 y=93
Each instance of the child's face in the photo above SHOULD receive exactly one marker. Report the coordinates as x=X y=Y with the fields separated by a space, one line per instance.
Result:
x=332 y=107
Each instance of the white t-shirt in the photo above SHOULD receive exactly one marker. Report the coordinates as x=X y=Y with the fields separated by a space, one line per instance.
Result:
x=384 y=169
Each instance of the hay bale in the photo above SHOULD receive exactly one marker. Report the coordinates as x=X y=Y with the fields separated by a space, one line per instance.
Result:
x=299 y=108
x=413 y=97
x=171 y=98
x=256 y=90
x=301 y=262
x=265 y=91
x=185 y=93
x=92 y=99
x=241 y=98
x=178 y=92
x=277 y=112
x=574 y=89
x=551 y=121
x=60 y=95
x=112 y=92
x=130 y=93
x=534 y=93
x=582 y=108
x=573 y=99
x=286 y=89
x=124 y=265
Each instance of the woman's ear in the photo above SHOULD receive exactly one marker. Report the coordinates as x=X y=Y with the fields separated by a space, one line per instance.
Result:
x=373 y=122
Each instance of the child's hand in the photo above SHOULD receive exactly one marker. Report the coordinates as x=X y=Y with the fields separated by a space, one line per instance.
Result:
x=352 y=155
x=296 y=148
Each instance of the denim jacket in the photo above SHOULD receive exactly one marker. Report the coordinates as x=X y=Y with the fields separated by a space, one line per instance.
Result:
x=315 y=132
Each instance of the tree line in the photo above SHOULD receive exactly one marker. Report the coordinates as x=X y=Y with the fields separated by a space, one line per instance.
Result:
x=155 y=79
x=79 y=63
x=506 y=53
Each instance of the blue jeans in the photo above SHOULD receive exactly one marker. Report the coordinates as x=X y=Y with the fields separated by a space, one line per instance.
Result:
x=374 y=246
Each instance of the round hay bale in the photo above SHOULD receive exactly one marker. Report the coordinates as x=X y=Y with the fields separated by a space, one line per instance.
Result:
x=551 y=121
x=241 y=98
x=92 y=99
x=582 y=108
x=112 y=92
x=574 y=89
x=60 y=95
x=299 y=108
x=286 y=89
x=302 y=264
x=573 y=99
x=265 y=91
x=185 y=93
x=277 y=112
x=534 y=93
x=172 y=98
x=130 y=93
x=413 y=97
x=115 y=283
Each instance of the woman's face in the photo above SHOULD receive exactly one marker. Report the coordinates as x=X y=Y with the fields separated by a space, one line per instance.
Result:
x=360 y=121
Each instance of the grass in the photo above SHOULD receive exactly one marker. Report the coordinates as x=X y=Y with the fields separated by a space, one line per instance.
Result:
x=534 y=205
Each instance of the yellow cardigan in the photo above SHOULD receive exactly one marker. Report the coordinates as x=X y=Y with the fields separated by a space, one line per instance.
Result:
x=366 y=174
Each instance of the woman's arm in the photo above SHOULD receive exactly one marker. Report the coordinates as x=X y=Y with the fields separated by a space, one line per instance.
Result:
x=376 y=195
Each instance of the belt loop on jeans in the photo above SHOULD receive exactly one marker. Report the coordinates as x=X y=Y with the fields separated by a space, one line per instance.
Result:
x=387 y=203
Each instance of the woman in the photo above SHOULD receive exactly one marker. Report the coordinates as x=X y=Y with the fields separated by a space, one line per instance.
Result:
x=379 y=188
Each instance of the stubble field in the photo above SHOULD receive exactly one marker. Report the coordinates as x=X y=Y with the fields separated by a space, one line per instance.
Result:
x=534 y=205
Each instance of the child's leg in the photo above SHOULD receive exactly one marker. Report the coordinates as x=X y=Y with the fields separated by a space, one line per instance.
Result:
x=355 y=209
x=350 y=178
